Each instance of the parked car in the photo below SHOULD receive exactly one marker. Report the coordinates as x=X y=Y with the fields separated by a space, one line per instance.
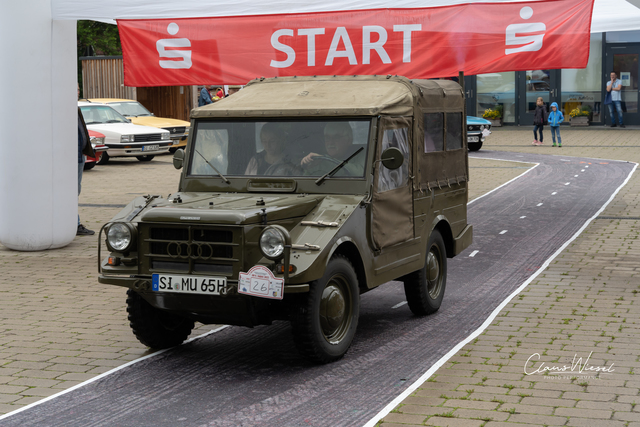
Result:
x=477 y=130
x=290 y=206
x=139 y=115
x=97 y=141
x=123 y=138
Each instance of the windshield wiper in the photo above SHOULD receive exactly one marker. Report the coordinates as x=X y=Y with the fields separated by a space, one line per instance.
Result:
x=113 y=121
x=213 y=167
x=337 y=168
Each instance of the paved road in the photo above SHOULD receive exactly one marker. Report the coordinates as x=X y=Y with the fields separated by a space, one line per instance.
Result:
x=253 y=377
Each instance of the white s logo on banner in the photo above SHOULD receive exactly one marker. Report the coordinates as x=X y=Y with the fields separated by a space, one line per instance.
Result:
x=163 y=44
x=531 y=43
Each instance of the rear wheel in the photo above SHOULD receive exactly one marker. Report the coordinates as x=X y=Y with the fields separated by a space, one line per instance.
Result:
x=324 y=321
x=88 y=166
x=104 y=159
x=145 y=158
x=153 y=327
x=424 y=288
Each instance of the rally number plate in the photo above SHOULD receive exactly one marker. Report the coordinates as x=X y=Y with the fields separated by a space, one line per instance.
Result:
x=150 y=148
x=189 y=284
x=473 y=139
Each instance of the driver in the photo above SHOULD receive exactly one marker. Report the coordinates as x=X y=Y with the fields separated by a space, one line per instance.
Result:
x=338 y=141
x=271 y=160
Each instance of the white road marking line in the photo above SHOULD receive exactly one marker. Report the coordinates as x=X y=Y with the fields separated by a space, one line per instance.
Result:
x=567 y=183
x=472 y=254
x=586 y=166
x=539 y=204
x=554 y=193
x=581 y=170
x=89 y=381
x=564 y=160
x=400 y=304
x=503 y=231
x=432 y=370
x=575 y=176
x=523 y=217
x=508 y=182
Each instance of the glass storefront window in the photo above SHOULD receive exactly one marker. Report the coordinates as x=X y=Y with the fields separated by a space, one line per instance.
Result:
x=583 y=87
x=497 y=91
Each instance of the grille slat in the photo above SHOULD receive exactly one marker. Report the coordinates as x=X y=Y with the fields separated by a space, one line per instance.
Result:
x=192 y=249
x=147 y=137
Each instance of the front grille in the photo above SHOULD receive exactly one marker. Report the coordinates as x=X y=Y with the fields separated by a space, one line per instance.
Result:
x=179 y=130
x=191 y=249
x=148 y=137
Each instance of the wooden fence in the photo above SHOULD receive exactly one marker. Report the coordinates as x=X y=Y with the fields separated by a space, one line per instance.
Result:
x=103 y=77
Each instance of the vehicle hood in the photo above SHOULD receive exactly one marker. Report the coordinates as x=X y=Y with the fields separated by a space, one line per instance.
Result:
x=123 y=129
x=232 y=209
x=472 y=120
x=158 y=122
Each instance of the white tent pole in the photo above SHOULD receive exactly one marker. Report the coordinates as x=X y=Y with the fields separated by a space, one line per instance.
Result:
x=38 y=113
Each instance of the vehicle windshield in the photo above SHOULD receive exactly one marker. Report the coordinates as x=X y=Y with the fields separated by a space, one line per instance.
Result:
x=97 y=114
x=130 y=109
x=280 y=148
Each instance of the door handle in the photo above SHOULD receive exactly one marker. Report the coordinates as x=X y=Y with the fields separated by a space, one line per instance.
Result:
x=470 y=93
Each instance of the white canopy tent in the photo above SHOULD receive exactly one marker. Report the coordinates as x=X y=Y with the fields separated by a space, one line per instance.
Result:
x=38 y=196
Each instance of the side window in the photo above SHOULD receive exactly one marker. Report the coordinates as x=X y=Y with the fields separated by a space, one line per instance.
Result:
x=454 y=131
x=392 y=179
x=433 y=132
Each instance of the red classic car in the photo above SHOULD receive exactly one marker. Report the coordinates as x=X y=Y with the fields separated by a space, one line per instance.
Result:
x=97 y=141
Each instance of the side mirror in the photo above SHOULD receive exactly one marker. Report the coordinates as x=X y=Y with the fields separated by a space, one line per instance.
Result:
x=178 y=158
x=391 y=158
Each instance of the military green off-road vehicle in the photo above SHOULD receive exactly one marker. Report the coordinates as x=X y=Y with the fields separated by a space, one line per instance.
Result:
x=296 y=196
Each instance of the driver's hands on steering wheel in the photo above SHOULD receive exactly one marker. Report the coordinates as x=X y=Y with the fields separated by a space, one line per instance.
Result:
x=306 y=160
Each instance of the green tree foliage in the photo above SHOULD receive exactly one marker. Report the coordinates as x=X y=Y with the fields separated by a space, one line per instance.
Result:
x=97 y=38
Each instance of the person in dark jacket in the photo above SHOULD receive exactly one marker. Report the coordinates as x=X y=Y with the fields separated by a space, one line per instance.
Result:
x=539 y=120
x=205 y=96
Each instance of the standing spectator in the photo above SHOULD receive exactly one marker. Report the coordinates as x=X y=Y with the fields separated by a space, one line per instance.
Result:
x=84 y=147
x=555 y=118
x=614 y=87
x=539 y=120
x=205 y=96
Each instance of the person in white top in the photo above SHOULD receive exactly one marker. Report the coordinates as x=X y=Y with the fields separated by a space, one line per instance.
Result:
x=614 y=86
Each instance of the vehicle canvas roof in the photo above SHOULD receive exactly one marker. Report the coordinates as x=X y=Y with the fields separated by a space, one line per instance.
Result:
x=336 y=96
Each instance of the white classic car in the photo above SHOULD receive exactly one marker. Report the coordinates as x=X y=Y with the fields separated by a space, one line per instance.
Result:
x=123 y=138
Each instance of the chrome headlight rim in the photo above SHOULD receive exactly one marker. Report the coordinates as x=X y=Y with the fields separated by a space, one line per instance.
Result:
x=279 y=232
x=126 y=228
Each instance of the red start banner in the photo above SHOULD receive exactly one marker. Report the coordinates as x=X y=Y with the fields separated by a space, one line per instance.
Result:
x=415 y=43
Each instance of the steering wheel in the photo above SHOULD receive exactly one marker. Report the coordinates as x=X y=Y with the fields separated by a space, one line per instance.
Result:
x=322 y=164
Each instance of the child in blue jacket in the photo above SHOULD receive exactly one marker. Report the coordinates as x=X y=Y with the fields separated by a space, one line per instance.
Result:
x=555 y=118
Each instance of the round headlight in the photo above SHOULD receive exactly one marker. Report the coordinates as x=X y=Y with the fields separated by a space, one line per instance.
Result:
x=119 y=237
x=272 y=243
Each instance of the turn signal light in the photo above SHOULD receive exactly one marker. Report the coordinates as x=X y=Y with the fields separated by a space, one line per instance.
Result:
x=280 y=268
x=113 y=261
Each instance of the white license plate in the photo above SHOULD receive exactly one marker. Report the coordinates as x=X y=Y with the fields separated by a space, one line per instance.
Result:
x=150 y=148
x=473 y=139
x=189 y=284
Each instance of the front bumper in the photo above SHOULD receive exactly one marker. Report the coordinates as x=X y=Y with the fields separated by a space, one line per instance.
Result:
x=137 y=149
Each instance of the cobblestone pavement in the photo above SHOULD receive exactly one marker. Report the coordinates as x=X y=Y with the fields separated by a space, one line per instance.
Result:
x=59 y=327
x=583 y=311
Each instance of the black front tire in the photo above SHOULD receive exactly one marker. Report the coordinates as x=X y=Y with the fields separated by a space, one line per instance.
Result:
x=424 y=288
x=145 y=158
x=474 y=146
x=153 y=327
x=104 y=159
x=89 y=166
x=324 y=321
